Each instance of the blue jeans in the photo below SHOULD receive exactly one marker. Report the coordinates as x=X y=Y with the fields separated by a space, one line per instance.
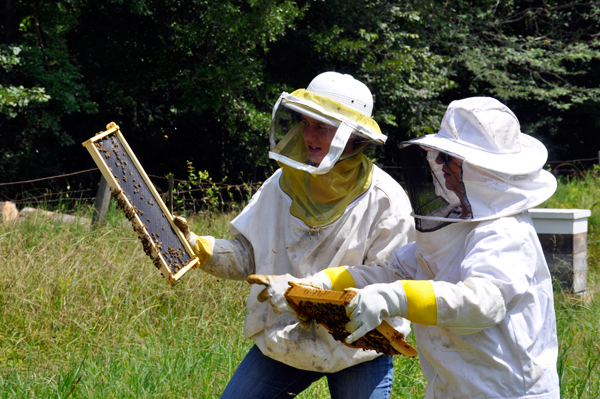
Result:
x=260 y=377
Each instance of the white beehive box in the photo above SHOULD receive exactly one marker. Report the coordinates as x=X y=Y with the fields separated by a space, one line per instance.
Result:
x=563 y=235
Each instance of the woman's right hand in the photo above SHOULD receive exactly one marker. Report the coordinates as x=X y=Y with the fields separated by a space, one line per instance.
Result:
x=183 y=225
x=202 y=246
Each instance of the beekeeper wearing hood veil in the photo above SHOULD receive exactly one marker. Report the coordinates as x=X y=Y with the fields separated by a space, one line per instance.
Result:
x=327 y=205
x=475 y=283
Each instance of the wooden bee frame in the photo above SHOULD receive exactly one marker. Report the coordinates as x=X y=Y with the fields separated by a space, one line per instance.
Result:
x=143 y=206
x=328 y=308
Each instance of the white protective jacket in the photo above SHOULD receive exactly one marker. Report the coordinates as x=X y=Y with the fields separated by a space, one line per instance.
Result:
x=269 y=240
x=495 y=335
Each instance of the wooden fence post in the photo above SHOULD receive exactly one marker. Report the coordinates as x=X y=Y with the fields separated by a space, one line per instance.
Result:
x=102 y=203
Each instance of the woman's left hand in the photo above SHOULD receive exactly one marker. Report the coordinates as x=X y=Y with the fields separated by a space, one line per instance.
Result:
x=276 y=286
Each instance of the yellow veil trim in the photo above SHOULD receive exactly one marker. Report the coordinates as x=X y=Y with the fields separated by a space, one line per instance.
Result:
x=335 y=107
x=319 y=200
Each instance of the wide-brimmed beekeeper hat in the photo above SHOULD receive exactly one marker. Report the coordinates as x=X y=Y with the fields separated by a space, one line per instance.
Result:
x=498 y=170
x=486 y=133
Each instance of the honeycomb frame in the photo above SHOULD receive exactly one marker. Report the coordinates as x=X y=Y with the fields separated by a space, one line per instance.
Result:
x=328 y=309
x=135 y=194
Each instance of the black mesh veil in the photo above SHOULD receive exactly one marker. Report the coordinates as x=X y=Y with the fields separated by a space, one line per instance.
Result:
x=434 y=203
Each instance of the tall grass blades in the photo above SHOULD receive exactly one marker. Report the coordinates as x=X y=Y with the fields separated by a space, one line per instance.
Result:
x=579 y=352
x=579 y=322
x=84 y=314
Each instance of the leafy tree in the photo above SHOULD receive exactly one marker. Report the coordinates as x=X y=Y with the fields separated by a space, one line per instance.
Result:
x=196 y=80
x=379 y=43
x=32 y=120
x=185 y=80
x=540 y=57
x=14 y=99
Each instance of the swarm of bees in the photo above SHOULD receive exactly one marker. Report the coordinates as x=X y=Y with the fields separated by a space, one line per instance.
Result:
x=139 y=228
x=333 y=318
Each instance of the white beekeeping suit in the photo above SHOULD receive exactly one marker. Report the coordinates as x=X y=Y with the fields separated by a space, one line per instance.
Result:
x=475 y=283
x=323 y=208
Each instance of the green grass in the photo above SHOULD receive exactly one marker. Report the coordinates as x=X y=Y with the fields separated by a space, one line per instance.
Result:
x=84 y=314
x=578 y=323
x=86 y=311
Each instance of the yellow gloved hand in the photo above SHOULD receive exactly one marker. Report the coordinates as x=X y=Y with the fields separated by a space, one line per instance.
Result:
x=202 y=246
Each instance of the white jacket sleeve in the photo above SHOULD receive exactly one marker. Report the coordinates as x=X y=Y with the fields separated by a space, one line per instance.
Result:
x=488 y=280
x=465 y=308
x=231 y=259
x=468 y=306
x=388 y=235
x=403 y=266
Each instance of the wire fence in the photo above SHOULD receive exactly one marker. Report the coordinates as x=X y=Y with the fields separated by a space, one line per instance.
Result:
x=188 y=195
x=197 y=195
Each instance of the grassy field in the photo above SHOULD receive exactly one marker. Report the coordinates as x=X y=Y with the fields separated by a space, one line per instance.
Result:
x=84 y=314
x=579 y=323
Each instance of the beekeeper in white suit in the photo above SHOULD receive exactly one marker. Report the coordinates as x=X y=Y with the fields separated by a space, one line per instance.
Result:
x=327 y=206
x=475 y=283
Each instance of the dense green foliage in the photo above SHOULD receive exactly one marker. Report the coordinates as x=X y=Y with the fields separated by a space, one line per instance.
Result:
x=196 y=80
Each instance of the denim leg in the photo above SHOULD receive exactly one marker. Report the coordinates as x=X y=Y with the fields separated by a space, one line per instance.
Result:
x=368 y=380
x=260 y=377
